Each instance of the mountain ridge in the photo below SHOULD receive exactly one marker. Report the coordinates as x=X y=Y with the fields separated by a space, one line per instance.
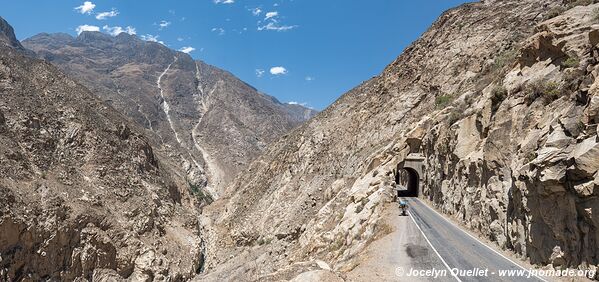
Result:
x=124 y=71
x=84 y=194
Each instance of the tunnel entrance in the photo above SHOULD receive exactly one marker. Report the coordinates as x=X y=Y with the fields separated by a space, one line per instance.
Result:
x=407 y=180
x=408 y=175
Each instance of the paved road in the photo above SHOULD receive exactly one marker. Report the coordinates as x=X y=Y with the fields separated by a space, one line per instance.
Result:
x=457 y=249
x=391 y=257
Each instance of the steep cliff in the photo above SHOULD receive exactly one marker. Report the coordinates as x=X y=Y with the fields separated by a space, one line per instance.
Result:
x=7 y=36
x=83 y=193
x=500 y=99
x=211 y=121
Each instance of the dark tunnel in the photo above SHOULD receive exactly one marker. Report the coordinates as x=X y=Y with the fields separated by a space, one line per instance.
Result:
x=408 y=182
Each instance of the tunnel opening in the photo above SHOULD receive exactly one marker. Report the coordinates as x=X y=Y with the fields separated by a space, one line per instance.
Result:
x=407 y=181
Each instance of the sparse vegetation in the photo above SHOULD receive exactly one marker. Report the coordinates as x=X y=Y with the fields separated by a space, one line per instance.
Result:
x=200 y=194
x=551 y=91
x=504 y=59
x=337 y=243
x=554 y=12
x=443 y=101
x=581 y=126
x=498 y=94
x=454 y=117
x=571 y=62
x=530 y=157
x=548 y=91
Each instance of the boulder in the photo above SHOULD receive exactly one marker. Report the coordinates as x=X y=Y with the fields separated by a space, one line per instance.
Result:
x=468 y=137
x=586 y=157
x=316 y=276
x=541 y=49
x=591 y=114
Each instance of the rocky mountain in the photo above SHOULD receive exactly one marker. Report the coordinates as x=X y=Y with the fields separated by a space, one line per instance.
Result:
x=501 y=100
x=84 y=195
x=7 y=35
x=211 y=121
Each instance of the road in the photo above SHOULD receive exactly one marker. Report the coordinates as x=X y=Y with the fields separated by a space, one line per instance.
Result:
x=456 y=249
x=426 y=241
x=404 y=248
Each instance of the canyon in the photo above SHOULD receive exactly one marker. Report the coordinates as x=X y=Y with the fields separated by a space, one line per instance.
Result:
x=123 y=172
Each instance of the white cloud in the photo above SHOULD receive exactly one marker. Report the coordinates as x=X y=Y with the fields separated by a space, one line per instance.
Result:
x=180 y=39
x=271 y=15
x=309 y=78
x=278 y=71
x=86 y=8
x=220 y=30
x=224 y=1
x=151 y=38
x=271 y=22
x=105 y=15
x=116 y=30
x=259 y=72
x=86 y=27
x=164 y=24
x=297 y=103
x=256 y=11
x=274 y=26
x=187 y=49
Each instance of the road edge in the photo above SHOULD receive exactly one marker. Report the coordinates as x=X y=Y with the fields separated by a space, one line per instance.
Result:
x=475 y=237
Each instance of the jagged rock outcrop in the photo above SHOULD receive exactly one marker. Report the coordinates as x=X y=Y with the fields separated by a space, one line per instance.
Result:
x=206 y=118
x=7 y=36
x=84 y=196
x=498 y=96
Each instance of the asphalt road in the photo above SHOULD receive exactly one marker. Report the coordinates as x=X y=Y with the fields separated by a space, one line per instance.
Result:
x=457 y=250
x=391 y=257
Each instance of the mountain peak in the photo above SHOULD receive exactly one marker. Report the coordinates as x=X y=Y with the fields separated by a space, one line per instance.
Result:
x=90 y=36
x=7 y=35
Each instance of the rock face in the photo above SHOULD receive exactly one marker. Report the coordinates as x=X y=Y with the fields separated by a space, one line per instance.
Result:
x=500 y=97
x=212 y=123
x=84 y=196
x=7 y=36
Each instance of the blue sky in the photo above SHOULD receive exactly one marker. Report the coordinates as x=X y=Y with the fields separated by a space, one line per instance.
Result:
x=305 y=51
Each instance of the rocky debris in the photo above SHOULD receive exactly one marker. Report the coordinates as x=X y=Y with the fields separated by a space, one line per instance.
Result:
x=317 y=275
x=84 y=195
x=204 y=118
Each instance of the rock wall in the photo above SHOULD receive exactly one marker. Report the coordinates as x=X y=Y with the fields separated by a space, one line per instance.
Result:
x=83 y=194
x=498 y=96
x=520 y=164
